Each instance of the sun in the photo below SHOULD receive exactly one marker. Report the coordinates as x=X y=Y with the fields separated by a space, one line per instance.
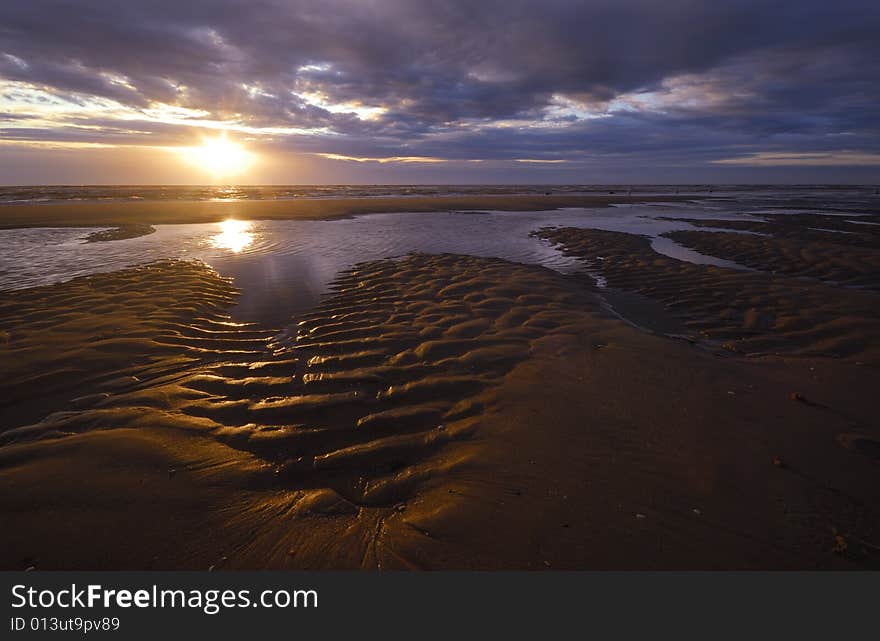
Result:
x=218 y=156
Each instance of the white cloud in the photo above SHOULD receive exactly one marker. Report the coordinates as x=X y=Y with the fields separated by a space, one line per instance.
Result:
x=817 y=159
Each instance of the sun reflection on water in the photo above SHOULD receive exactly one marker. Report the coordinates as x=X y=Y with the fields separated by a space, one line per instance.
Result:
x=234 y=235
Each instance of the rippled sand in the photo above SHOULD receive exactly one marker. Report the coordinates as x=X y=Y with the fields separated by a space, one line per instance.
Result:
x=749 y=312
x=434 y=411
x=350 y=419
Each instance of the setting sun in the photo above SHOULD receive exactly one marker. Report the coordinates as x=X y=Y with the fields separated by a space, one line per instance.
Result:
x=218 y=156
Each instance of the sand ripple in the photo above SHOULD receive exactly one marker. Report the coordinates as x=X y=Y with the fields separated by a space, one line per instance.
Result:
x=380 y=393
x=436 y=411
x=749 y=312
x=384 y=372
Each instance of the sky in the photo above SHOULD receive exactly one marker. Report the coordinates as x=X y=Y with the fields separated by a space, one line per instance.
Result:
x=439 y=91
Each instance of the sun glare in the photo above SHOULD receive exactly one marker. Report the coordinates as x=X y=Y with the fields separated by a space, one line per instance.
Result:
x=234 y=235
x=219 y=157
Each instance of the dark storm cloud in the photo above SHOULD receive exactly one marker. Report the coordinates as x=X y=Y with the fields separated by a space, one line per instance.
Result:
x=463 y=79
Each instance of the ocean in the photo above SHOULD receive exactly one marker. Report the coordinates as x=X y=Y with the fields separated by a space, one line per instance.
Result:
x=807 y=195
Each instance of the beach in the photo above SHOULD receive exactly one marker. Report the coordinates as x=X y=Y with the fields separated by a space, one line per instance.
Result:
x=452 y=411
x=328 y=318
x=90 y=214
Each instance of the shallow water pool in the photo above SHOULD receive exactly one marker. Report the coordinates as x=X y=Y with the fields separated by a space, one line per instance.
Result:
x=283 y=267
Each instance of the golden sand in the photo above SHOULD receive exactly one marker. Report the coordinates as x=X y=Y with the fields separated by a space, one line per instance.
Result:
x=751 y=313
x=434 y=412
x=103 y=214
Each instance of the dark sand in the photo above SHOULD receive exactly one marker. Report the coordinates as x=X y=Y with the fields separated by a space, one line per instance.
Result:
x=747 y=312
x=120 y=233
x=833 y=263
x=804 y=228
x=106 y=214
x=440 y=412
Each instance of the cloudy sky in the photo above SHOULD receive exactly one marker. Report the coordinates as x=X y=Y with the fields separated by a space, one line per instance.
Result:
x=390 y=91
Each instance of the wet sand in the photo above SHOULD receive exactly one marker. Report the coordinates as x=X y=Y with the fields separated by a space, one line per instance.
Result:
x=442 y=411
x=105 y=214
x=120 y=233
x=832 y=262
x=747 y=312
